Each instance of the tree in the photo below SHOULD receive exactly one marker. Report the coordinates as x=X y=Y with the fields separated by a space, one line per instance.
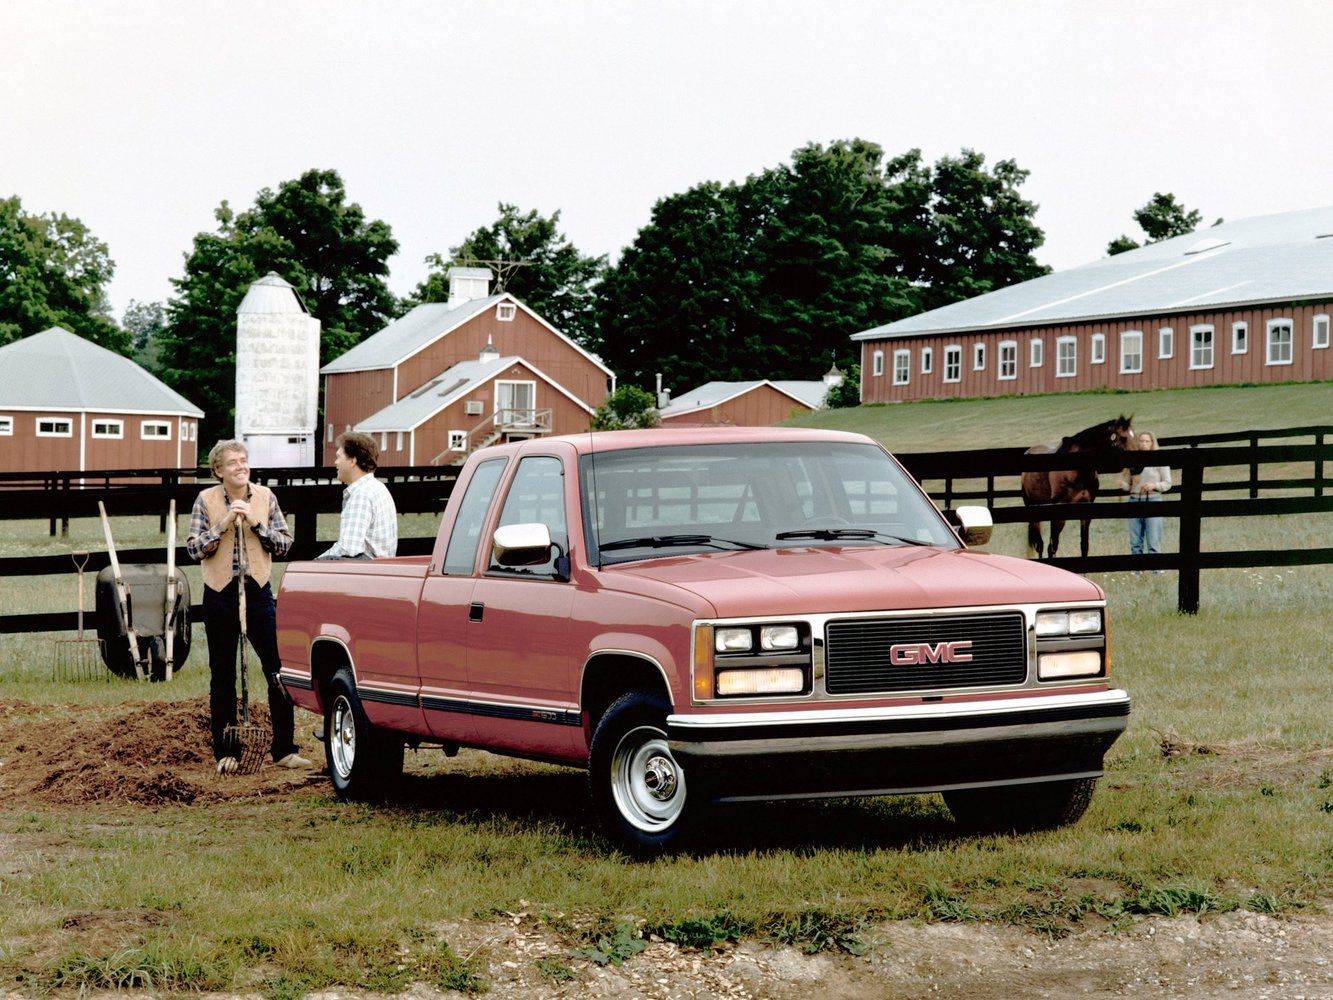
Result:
x=626 y=408
x=771 y=277
x=53 y=272
x=1160 y=219
x=847 y=392
x=310 y=235
x=550 y=275
x=144 y=321
x=980 y=233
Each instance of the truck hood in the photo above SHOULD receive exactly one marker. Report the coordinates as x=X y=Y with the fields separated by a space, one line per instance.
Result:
x=829 y=580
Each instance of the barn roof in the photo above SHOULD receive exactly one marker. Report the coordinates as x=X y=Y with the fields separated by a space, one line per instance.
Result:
x=58 y=370
x=423 y=325
x=712 y=394
x=1271 y=258
x=417 y=407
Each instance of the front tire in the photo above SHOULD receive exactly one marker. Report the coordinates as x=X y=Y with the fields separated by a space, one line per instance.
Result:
x=364 y=761
x=638 y=788
x=1021 y=808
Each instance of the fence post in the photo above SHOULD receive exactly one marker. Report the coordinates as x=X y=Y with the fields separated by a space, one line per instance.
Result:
x=1191 y=521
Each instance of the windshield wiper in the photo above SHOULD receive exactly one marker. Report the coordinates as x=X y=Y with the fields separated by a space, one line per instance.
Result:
x=666 y=541
x=844 y=534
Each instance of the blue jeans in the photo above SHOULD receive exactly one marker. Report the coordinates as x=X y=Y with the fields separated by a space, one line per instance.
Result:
x=1145 y=533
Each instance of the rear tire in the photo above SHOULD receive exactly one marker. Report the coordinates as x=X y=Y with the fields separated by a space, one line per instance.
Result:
x=1021 y=808
x=364 y=761
x=638 y=788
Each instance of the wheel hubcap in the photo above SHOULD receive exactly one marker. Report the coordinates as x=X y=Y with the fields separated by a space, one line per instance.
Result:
x=647 y=784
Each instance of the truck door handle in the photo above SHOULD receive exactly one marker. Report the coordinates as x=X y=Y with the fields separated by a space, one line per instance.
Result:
x=475 y=611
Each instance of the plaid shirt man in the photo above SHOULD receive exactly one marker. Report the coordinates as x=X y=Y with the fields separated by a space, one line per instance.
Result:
x=369 y=525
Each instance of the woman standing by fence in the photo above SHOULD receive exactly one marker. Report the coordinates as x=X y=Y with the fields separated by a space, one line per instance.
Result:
x=1145 y=484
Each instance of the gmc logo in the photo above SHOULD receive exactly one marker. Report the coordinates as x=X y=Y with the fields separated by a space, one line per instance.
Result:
x=912 y=653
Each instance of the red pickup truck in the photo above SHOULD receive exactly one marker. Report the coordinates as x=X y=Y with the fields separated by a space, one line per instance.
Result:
x=706 y=615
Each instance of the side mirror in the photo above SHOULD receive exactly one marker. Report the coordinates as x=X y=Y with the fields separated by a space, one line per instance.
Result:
x=973 y=525
x=522 y=545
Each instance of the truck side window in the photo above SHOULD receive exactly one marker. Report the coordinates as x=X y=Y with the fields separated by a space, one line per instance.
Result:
x=461 y=555
x=537 y=496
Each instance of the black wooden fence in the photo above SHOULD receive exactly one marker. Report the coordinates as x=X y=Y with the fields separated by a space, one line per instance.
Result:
x=1273 y=480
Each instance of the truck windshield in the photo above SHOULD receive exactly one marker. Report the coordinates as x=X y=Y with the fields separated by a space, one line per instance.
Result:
x=775 y=494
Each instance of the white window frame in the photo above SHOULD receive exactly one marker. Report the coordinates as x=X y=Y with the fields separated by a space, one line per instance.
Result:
x=1275 y=347
x=978 y=357
x=458 y=441
x=1319 y=332
x=1006 y=365
x=115 y=429
x=1166 y=343
x=1097 y=349
x=164 y=425
x=1066 y=357
x=328 y=439
x=1127 y=336
x=927 y=360
x=54 y=430
x=6 y=426
x=398 y=445
x=902 y=366
x=384 y=440
x=877 y=364
x=1240 y=338
x=1201 y=345
x=1036 y=353
x=504 y=312
x=953 y=361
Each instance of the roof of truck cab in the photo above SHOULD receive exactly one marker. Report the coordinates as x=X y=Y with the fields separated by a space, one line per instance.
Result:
x=668 y=436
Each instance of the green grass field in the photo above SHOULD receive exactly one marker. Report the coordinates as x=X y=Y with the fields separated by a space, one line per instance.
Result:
x=1220 y=795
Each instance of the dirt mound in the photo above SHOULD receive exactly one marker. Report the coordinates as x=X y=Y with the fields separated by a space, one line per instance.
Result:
x=152 y=755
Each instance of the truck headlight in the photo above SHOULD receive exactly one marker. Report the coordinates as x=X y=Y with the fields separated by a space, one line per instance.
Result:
x=1079 y=663
x=765 y=680
x=1081 y=621
x=752 y=661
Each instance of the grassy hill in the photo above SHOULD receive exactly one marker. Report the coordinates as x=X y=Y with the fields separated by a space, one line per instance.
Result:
x=1000 y=422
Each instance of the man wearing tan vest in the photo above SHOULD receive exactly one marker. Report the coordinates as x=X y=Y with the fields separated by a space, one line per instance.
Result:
x=218 y=511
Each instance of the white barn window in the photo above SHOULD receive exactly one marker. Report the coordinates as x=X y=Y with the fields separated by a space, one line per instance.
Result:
x=54 y=427
x=1166 y=342
x=1066 y=357
x=877 y=364
x=1036 y=354
x=1008 y=364
x=1097 y=352
x=6 y=426
x=108 y=429
x=1201 y=346
x=1131 y=352
x=1320 y=338
x=902 y=367
x=953 y=363
x=458 y=440
x=504 y=312
x=1278 y=350
x=1240 y=338
x=154 y=430
x=927 y=360
x=978 y=357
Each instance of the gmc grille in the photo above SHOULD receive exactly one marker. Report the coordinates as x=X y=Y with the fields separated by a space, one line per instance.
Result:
x=857 y=661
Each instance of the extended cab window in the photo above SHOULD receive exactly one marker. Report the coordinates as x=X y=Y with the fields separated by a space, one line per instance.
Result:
x=537 y=496
x=461 y=555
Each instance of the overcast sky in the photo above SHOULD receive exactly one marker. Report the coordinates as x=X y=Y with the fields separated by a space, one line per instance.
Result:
x=141 y=117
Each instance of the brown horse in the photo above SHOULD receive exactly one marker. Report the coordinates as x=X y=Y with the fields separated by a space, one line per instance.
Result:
x=1075 y=485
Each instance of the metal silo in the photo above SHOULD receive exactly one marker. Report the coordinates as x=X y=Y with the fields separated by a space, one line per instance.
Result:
x=277 y=375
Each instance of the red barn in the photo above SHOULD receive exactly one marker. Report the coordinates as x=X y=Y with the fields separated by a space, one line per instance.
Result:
x=1242 y=302
x=67 y=404
x=556 y=393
